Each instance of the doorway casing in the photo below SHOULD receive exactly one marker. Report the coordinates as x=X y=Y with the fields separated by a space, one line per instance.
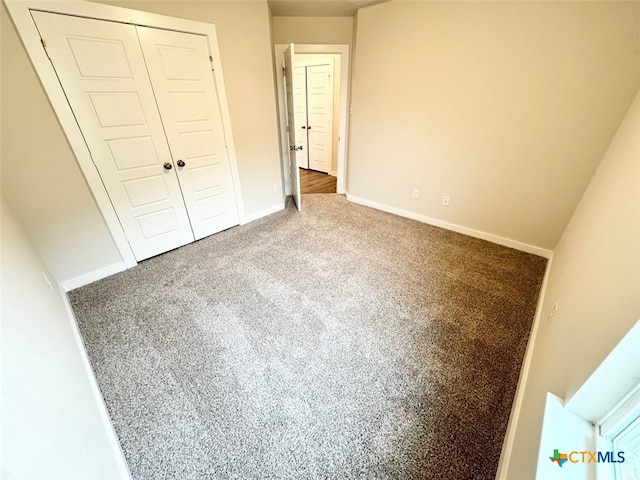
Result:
x=343 y=51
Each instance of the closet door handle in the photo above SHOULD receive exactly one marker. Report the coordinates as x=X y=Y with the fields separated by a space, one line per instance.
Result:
x=309 y=127
x=167 y=166
x=181 y=163
x=303 y=127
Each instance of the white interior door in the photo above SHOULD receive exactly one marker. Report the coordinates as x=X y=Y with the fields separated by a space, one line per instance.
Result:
x=182 y=79
x=102 y=71
x=290 y=85
x=320 y=116
x=300 y=115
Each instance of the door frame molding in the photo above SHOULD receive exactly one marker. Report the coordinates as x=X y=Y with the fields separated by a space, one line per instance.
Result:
x=19 y=11
x=345 y=61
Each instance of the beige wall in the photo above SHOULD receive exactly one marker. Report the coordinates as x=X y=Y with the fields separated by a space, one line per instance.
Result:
x=276 y=73
x=505 y=106
x=54 y=424
x=311 y=30
x=41 y=182
x=595 y=279
x=244 y=37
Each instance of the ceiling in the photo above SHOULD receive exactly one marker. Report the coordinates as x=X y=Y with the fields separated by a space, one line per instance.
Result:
x=329 y=8
x=317 y=8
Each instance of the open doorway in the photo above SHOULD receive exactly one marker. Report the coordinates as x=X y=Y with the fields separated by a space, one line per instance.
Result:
x=312 y=181
x=317 y=120
x=315 y=178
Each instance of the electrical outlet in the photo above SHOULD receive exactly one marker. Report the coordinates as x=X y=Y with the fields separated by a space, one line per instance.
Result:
x=445 y=201
x=416 y=193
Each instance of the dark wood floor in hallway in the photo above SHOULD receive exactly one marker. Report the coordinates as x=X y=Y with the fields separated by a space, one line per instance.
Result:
x=316 y=182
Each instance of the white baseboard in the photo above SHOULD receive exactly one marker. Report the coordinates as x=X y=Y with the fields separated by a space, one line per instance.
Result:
x=516 y=407
x=94 y=276
x=333 y=173
x=262 y=213
x=114 y=443
x=507 y=242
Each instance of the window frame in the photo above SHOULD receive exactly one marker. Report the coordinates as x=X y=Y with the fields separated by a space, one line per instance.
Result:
x=616 y=423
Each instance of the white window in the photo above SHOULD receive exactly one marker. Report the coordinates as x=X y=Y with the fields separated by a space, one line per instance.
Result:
x=602 y=417
x=620 y=435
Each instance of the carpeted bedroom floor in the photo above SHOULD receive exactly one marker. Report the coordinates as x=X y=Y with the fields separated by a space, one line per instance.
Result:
x=336 y=343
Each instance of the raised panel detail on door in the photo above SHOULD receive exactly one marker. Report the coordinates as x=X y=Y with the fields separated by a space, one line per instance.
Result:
x=207 y=177
x=158 y=223
x=133 y=152
x=180 y=72
x=146 y=191
x=178 y=62
x=189 y=107
x=117 y=109
x=103 y=73
x=89 y=51
x=197 y=145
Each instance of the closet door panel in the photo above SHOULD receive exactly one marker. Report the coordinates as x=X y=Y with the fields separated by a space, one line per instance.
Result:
x=185 y=91
x=102 y=71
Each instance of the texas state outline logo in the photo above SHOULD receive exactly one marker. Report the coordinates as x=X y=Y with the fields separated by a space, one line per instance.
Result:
x=559 y=458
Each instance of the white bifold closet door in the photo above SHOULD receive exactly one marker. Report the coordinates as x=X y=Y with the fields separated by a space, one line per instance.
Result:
x=180 y=72
x=146 y=103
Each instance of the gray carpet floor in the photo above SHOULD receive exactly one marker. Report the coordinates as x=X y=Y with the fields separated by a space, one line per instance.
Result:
x=336 y=343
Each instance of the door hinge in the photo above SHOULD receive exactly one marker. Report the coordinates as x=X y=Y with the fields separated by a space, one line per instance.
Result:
x=211 y=62
x=44 y=46
x=91 y=157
